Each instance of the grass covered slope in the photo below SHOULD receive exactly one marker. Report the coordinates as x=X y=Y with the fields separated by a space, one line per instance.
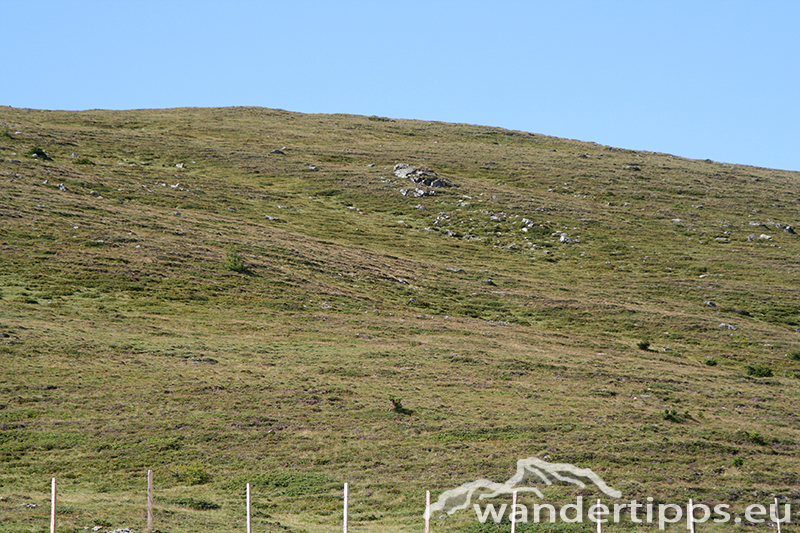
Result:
x=238 y=295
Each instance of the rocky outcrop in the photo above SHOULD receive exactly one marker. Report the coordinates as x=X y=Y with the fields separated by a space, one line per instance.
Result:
x=420 y=175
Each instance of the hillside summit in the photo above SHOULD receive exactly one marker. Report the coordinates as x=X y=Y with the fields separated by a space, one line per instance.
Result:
x=252 y=295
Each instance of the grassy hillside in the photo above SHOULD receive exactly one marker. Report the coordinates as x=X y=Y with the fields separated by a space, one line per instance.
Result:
x=238 y=295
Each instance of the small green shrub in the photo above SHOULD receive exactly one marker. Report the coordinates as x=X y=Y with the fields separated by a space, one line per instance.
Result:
x=711 y=362
x=83 y=161
x=752 y=437
x=193 y=474
x=671 y=414
x=287 y=483
x=192 y=503
x=794 y=355
x=5 y=134
x=397 y=407
x=738 y=462
x=235 y=262
x=759 y=371
x=38 y=151
x=643 y=345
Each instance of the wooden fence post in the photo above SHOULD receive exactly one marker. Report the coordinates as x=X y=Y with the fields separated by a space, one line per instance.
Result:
x=428 y=511
x=249 y=513
x=149 y=500
x=53 y=506
x=346 y=498
x=599 y=524
x=514 y=512
x=777 y=516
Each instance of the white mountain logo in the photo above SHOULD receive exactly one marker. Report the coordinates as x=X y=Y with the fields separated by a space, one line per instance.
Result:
x=529 y=471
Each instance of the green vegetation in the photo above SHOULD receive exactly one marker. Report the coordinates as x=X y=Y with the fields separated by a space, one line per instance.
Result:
x=397 y=407
x=194 y=474
x=759 y=371
x=672 y=415
x=38 y=151
x=192 y=503
x=198 y=304
x=235 y=262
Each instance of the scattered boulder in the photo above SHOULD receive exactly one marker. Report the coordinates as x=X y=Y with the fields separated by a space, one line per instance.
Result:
x=764 y=237
x=728 y=326
x=563 y=237
x=789 y=229
x=62 y=187
x=752 y=237
x=416 y=193
x=279 y=152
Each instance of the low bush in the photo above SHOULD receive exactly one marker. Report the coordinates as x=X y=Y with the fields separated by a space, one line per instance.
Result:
x=193 y=503
x=38 y=151
x=671 y=414
x=193 y=474
x=759 y=371
x=234 y=262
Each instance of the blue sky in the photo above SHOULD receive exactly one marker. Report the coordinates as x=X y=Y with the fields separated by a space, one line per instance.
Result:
x=702 y=79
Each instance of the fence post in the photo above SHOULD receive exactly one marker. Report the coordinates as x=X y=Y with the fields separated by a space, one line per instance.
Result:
x=53 y=506
x=514 y=512
x=249 y=513
x=690 y=516
x=149 y=500
x=777 y=515
x=428 y=511
x=599 y=516
x=346 y=498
